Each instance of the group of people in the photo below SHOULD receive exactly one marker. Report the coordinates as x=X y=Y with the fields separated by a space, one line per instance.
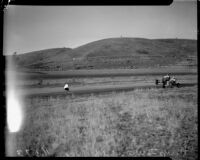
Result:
x=166 y=80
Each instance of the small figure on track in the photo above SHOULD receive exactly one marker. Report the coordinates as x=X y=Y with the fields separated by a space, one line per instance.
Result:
x=67 y=91
x=66 y=87
x=173 y=80
x=165 y=80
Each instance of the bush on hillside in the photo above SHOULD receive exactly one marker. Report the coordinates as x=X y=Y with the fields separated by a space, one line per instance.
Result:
x=142 y=51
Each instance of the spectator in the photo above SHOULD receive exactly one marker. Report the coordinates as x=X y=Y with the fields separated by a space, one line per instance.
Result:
x=66 y=87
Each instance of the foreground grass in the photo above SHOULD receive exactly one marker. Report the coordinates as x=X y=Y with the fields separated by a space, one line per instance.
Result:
x=139 y=123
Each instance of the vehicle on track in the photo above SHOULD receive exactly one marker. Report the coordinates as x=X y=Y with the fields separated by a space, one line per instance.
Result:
x=167 y=82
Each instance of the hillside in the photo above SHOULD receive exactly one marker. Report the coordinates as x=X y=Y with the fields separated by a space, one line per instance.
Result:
x=44 y=59
x=114 y=53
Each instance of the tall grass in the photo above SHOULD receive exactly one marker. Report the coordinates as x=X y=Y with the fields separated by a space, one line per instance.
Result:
x=153 y=122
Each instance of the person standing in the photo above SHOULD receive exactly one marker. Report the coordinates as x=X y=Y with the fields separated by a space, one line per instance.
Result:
x=66 y=87
x=165 y=80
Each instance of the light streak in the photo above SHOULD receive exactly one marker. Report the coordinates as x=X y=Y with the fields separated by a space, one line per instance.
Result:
x=14 y=111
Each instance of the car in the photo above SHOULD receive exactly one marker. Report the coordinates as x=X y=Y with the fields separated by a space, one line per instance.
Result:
x=171 y=82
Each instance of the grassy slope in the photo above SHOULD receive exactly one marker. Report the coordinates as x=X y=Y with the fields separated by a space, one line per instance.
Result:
x=133 y=46
x=138 y=123
x=44 y=58
x=114 y=53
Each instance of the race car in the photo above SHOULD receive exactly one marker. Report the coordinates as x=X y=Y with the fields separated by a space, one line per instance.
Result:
x=168 y=82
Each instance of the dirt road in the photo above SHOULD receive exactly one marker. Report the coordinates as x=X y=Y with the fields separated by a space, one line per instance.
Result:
x=98 y=88
x=104 y=73
x=88 y=89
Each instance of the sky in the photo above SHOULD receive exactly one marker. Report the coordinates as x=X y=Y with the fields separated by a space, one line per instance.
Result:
x=32 y=28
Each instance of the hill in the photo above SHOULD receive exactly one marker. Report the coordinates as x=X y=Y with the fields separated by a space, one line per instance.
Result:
x=114 y=53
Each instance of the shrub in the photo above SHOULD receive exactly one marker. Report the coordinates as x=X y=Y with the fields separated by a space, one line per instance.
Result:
x=142 y=52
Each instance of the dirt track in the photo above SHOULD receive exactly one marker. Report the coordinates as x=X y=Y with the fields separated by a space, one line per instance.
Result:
x=88 y=89
x=105 y=73
x=99 y=88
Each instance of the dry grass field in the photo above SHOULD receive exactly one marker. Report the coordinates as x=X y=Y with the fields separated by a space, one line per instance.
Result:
x=136 y=122
x=144 y=122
